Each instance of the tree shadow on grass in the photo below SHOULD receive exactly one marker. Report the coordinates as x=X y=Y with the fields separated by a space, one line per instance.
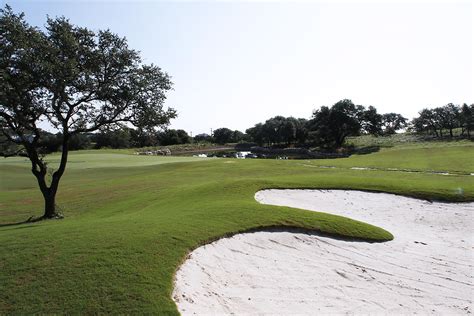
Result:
x=30 y=220
x=34 y=219
x=366 y=150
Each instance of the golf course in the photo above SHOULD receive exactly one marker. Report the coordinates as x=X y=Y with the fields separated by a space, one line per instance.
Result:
x=130 y=221
x=236 y=158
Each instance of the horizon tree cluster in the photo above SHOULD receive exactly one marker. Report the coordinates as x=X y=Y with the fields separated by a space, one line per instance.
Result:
x=328 y=127
x=444 y=120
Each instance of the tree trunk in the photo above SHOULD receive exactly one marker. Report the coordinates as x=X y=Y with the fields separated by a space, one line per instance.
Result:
x=50 y=205
x=340 y=140
x=50 y=193
x=39 y=169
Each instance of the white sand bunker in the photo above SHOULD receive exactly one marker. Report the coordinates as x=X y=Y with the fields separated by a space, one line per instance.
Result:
x=427 y=268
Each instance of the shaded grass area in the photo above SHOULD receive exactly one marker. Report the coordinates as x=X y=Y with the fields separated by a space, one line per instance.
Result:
x=128 y=228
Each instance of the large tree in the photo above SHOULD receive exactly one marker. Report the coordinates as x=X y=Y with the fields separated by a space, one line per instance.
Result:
x=329 y=127
x=449 y=116
x=173 y=137
x=426 y=122
x=275 y=131
x=223 y=135
x=256 y=134
x=392 y=122
x=371 y=121
x=76 y=81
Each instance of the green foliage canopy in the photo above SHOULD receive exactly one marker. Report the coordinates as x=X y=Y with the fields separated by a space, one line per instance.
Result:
x=76 y=80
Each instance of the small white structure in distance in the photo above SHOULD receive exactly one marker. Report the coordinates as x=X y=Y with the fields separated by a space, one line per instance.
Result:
x=242 y=154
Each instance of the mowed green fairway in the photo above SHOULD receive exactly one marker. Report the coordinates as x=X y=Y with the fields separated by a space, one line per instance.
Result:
x=456 y=157
x=131 y=220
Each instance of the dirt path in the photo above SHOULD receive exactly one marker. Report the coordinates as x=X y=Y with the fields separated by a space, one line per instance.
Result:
x=427 y=268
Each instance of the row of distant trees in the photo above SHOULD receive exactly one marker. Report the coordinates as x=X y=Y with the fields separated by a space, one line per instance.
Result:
x=127 y=137
x=136 y=138
x=442 y=121
x=118 y=138
x=328 y=128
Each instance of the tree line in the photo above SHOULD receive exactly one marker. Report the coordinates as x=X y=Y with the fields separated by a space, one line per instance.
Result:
x=328 y=128
x=444 y=120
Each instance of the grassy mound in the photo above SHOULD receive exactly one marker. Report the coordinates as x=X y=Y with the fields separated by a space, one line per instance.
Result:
x=130 y=221
x=434 y=156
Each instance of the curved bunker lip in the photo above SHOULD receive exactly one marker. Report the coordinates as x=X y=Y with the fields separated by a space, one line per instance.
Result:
x=427 y=268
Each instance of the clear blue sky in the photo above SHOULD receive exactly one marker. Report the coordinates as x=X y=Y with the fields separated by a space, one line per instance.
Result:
x=235 y=64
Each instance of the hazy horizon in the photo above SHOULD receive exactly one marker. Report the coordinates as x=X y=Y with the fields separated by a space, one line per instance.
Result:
x=235 y=64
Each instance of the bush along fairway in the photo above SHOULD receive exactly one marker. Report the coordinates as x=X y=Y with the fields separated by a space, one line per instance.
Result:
x=130 y=220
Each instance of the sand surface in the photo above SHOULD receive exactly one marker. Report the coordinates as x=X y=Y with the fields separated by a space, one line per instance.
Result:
x=426 y=269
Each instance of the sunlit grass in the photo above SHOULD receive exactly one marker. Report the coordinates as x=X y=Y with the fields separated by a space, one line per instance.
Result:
x=130 y=220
